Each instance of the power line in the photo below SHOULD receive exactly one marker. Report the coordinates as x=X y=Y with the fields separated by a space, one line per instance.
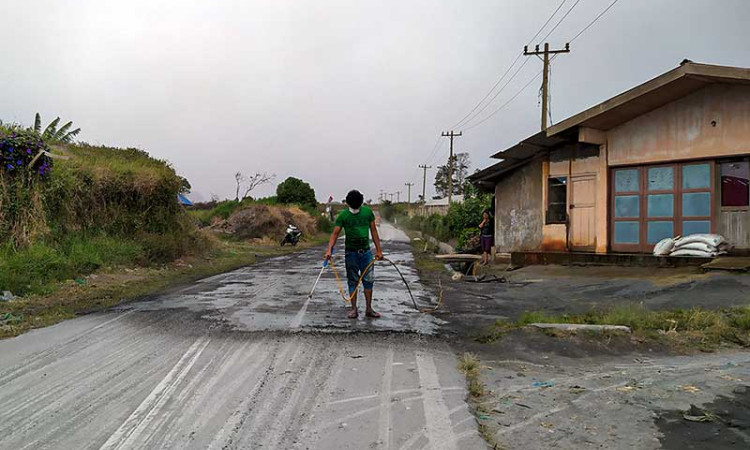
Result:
x=463 y=121
x=560 y=21
x=433 y=158
x=435 y=148
x=594 y=21
x=545 y=37
x=531 y=41
x=474 y=116
x=507 y=102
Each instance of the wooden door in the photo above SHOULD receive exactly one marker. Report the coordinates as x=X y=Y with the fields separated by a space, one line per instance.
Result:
x=583 y=212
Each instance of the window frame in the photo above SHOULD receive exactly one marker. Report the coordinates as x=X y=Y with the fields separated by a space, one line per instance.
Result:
x=547 y=219
x=720 y=195
x=677 y=191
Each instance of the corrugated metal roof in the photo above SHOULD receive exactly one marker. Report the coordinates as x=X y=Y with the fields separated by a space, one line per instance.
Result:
x=516 y=156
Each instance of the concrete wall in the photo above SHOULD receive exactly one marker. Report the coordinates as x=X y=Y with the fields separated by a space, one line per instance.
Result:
x=712 y=122
x=519 y=211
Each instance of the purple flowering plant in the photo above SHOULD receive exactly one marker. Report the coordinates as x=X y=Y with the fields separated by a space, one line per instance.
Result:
x=18 y=148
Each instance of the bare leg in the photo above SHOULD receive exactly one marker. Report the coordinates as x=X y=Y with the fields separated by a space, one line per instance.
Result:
x=369 y=312
x=354 y=312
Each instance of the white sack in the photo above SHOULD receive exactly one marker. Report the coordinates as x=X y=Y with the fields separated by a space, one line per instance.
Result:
x=697 y=253
x=713 y=240
x=699 y=246
x=664 y=247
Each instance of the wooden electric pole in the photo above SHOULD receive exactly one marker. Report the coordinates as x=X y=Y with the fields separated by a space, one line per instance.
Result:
x=424 y=179
x=408 y=196
x=450 y=164
x=545 y=74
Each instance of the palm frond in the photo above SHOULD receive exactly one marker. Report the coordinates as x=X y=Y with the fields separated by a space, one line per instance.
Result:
x=51 y=129
x=61 y=132
x=38 y=123
x=68 y=138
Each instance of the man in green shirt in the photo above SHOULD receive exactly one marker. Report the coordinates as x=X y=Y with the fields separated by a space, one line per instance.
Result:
x=358 y=222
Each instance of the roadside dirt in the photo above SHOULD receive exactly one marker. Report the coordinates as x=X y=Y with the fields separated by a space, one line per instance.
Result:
x=588 y=391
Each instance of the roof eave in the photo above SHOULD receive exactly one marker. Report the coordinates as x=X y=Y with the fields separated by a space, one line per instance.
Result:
x=705 y=72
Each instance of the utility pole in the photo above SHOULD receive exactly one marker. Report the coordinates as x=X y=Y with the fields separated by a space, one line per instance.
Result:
x=408 y=197
x=545 y=74
x=424 y=179
x=450 y=163
x=391 y=195
x=398 y=196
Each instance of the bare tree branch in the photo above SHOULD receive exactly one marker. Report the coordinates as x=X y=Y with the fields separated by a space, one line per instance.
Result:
x=255 y=181
x=238 y=178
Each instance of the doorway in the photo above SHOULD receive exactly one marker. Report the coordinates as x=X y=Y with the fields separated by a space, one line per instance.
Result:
x=583 y=212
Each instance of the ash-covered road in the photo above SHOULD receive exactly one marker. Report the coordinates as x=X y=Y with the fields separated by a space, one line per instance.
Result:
x=241 y=361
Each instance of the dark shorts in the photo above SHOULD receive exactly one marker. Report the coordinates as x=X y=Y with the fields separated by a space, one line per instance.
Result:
x=356 y=263
x=486 y=242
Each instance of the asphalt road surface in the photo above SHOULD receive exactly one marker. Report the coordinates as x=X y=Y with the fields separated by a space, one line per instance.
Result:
x=242 y=360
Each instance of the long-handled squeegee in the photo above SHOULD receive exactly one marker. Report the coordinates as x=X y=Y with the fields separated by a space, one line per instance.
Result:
x=325 y=264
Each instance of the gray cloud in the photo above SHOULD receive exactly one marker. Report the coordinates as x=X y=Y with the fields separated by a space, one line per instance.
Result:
x=340 y=93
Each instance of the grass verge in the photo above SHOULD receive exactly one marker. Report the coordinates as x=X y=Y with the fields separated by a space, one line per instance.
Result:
x=424 y=255
x=470 y=365
x=692 y=328
x=111 y=286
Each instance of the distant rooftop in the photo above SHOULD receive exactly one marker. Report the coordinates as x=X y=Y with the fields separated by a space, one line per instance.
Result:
x=444 y=201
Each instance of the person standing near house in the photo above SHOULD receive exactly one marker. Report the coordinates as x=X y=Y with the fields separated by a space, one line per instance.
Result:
x=358 y=222
x=486 y=236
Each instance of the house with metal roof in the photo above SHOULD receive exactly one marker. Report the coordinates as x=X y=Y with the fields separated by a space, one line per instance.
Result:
x=666 y=158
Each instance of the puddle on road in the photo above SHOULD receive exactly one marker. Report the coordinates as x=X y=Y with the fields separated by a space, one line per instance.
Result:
x=272 y=295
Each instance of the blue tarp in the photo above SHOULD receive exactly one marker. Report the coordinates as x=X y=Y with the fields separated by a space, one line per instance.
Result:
x=184 y=200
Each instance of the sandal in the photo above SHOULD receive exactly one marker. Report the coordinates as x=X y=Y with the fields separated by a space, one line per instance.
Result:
x=353 y=314
x=372 y=314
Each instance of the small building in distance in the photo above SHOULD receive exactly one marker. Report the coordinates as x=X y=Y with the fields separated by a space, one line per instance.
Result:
x=438 y=206
x=666 y=158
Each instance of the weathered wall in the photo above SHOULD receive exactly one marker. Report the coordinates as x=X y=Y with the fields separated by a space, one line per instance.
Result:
x=735 y=226
x=519 y=211
x=685 y=129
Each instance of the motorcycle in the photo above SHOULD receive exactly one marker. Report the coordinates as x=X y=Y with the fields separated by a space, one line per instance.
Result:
x=293 y=235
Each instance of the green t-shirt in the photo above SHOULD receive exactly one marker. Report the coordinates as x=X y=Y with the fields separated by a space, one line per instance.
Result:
x=357 y=227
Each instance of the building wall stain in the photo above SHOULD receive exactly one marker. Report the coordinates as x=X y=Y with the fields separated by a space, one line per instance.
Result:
x=519 y=211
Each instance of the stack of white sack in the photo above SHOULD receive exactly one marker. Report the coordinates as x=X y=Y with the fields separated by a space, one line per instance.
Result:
x=701 y=245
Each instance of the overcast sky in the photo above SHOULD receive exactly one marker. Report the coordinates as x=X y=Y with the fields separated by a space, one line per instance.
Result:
x=340 y=93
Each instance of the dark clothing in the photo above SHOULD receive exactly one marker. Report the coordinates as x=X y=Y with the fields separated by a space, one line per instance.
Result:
x=486 y=242
x=487 y=229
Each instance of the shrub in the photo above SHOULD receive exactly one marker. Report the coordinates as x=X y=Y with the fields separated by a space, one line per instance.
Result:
x=324 y=224
x=294 y=190
x=22 y=216
x=466 y=215
x=101 y=207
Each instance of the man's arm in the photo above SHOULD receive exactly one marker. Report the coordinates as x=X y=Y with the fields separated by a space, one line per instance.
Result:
x=376 y=240
x=332 y=241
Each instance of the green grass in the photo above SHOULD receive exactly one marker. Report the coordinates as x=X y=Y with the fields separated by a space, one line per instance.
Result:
x=425 y=260
x=697 y=327
x=469 y=364
x=38 y=268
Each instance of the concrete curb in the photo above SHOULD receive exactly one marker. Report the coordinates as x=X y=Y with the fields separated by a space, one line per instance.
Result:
x=582 y=327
